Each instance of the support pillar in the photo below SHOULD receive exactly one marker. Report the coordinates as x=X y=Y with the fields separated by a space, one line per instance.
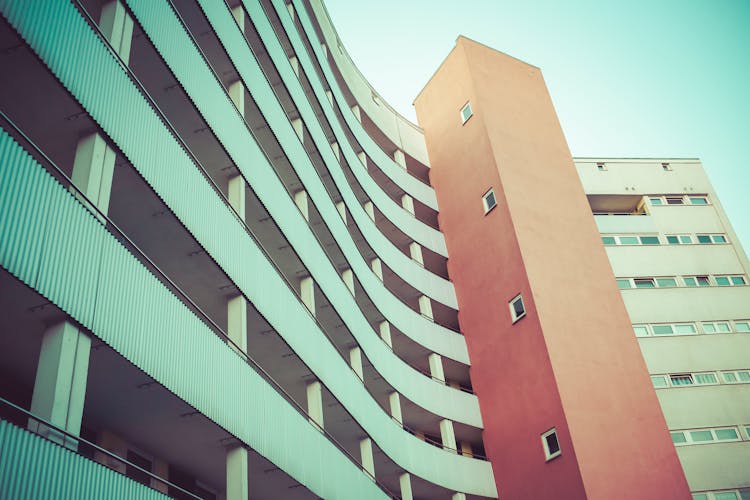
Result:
x=436 y=366
x=398 y=157
x=357 y=113
x=239 y=16
x=415 y=251
x=425 y=306
x=60 y=384
x=236 y=195
x=336 y=150
x=117 y=26
x=307 y=293
x=458 y=496
x=93 y=168
x=325 y=49
x=315 y=403
x=407 y=202
x=290 y=8
x=355 y=360
x=447 y=435
x=404 y=482
x=348 y=277
x=394 y=401
x=300 y=199
x=329 y=95
x=299 y=129
x=341 y=207
x=362 y=158
x=236 y=92
x=385 y=333
x=237 y=321
x=370 y=210
x=377 y=268
x=238 y=468
x=295 y=65
x=365 y=450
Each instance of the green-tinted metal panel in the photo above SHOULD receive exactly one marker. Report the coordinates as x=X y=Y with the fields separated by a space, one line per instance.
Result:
x=34 y=468
x=142 y=320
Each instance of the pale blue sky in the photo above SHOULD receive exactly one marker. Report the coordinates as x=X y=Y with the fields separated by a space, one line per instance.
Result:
x=658 y=78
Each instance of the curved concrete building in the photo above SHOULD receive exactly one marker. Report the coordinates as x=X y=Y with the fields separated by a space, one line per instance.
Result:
x=226 y=275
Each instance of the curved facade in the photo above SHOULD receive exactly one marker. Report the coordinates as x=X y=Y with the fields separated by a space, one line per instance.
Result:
x=223 y=274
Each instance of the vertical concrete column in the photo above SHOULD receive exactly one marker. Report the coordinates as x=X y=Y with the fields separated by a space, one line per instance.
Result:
x=341 y=207
x=93 y=168
x=60 y=384
x=236 y=195
x=237 y=321
x=325 y=49
x=404 y=482
x=117 y=26
x=236 y=91
x=370 y=210
x=398 y=157
x=365 y=451
x=307 y=293
x=394 y=400
x=407 y=202
x=299 y=129
x=239 y=16
x=447 y=435
x=362 y=158
x=336 y=150
x=458 y=496
x=355 y=360
x=466 y=449
x=300 y=199
x=425 y=306
x=348 y=277
x=415 y=251
x=329 y=95
x=436 y=366
x=315 y=403
x=295 y=65
x=238 y=469
x=357 y=112
x=377 y=268
x=385 y=333
x=290 y=8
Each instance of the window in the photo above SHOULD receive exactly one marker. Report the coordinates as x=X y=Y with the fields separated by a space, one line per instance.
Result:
x=640 y=330
x=736 y=377
x=708 y=239
x=623 y=283
x=706 y=378
x=679 y=239
x=656 y=201
x=700 y=436
x=679 y=329
x=649 y=240
x=630 y=240
x=666 y=282
x=742 y=326
x=609 y=240
x=666 y=167
x=681 y=379
x=601 y=167
x=517 y=309
x=730 y=280
x=675 y=200
x=716 y=327
x=698 y=200
x=644 y=283
x=489 y=201
x=551 y=444
x=466 y=112
x=697 y=281
x=659 y=381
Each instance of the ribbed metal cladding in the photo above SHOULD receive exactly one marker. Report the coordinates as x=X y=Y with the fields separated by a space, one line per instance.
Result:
x=35 y=468
x=142 y=320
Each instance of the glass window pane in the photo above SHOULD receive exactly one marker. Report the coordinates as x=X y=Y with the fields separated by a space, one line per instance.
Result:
x=702 y=281
x=662 y=329
x=745 y=494
x=649 y=240
x=640 y=330
x=609 y=240
x=709 y=328
x=686 y=238
x=681 y=379
x=690 y=281
x=701 y=436
x=628 y=240
x=729 y=377
x=656 y=201
x=666 y=281
x=744 y=376
x=698 y=201
x=684 y=328
x=700 y=496
x=738 y=280
x=725 y=495
x=644 y=283
x=742 y=326
x=659 y=381
x=704 y=238
x=722 y=281
x=674 y=201
x=726 y=434
x=719 y=238
x=623 y=284
x=723 y=327
x=678 y=437
x=705 y=378
x=518 y=307
x=552 y=445
x=673 y=240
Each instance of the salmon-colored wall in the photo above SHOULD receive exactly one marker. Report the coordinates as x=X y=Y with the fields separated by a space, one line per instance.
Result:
x=573 y=362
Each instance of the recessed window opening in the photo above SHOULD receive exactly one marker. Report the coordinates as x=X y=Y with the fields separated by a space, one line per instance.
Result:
x=517 y=309
x=666 y=167
x=489 y=201
x=601 y=167
x=466 y=112
x=551 y=444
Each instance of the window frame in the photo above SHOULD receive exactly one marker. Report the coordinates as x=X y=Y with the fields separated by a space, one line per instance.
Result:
x=487 y=207
x=689 y=440
x=461 y=112
x=545 y=445
x=515 y=317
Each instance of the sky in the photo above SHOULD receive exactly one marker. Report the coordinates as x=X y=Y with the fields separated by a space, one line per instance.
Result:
x=642 y=78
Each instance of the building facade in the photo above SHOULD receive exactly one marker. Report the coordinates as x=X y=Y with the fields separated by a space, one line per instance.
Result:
x=225 y=276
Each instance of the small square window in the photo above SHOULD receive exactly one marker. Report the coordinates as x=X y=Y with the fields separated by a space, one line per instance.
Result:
x=704 y=239
x=738 y=280
x=640 y=330
x=705 y=378
x=729 y=377
x=690 y=281
x=466 y=112
x=719 y=238
x=649 y=240
x=722 y=281
x=726 y=435
x=686 y=239
x=666 y=282
x=600 y=167
x=703 y=281
x=675 y=200
x=489 y=201
x=678 y=437
x=663 y=330
x=698 y=200
x=628 y=240
x=700 y=496
x=659 y=381
x=725 y=495
x=551 y=444
x=656 y=201
x=744 y=376
x=681 y=379
x=517 y=309
x=684 y=329
x=723 y=327
x=701 y=436
x=673 y=240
